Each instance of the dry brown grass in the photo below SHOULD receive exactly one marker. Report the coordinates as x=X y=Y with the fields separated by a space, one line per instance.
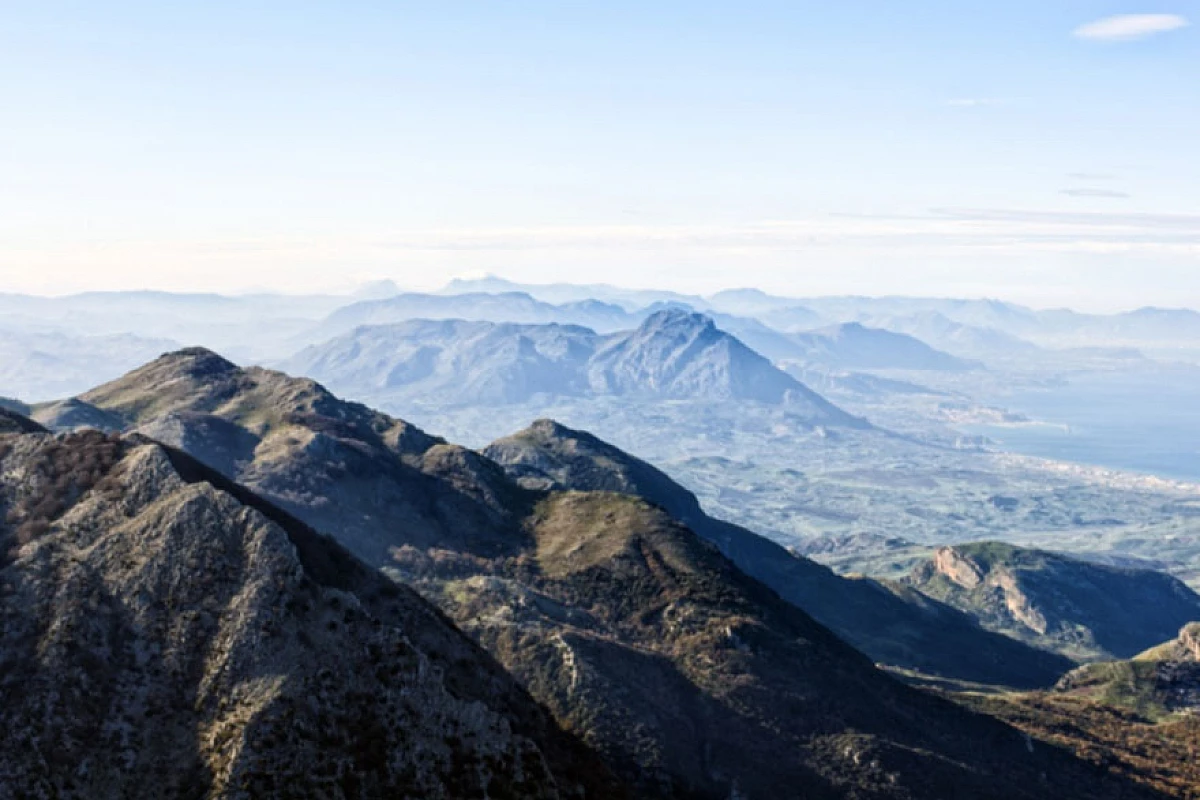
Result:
x=1161 y=755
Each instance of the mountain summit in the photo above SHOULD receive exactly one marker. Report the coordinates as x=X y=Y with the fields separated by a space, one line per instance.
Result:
x=677 y=353
x=674 y=354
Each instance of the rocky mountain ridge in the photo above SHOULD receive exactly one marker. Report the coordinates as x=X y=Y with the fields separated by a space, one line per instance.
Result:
x=691 y=679
x=166 y=633
x=890 y=622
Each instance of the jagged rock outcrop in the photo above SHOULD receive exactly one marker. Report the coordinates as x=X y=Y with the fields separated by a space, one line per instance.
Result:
x=957 y=568
x=1162 y=680
x=165 y=633
x=1083 y=610
x=1189 y=641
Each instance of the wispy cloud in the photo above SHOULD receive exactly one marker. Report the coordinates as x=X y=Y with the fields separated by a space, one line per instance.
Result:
x=1126 y=27
x=1110 y=193
x=1006 y=238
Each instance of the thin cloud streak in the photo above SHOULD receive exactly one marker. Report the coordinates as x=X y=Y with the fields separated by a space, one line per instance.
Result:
x=1128 y=27
x=958 y=237
x=1103 y=193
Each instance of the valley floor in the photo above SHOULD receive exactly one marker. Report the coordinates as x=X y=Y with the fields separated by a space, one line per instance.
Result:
x=874 y=501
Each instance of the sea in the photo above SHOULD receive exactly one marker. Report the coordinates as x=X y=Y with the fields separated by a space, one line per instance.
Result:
x=1145 y=421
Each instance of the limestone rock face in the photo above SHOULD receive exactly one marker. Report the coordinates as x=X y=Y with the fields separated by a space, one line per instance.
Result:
x=1162 y=680
x=1189 y=640
x=164 y=633
x=1084 y=611
x=957 y=568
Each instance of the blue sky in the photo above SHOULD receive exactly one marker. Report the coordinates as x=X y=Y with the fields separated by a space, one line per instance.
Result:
x=948 y=148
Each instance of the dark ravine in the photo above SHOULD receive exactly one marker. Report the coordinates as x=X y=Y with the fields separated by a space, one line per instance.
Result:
x=691 y=679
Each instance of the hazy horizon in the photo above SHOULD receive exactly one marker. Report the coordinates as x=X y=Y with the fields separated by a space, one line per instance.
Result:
x=349 y=291
x=1039 y=153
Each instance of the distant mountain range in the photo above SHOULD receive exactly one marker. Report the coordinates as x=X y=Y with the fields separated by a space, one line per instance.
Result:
x=515 y=307
x=672 y=354
x=44 y=341
x=50 y=365
x=629 y=299
x=983 y=326
x=854 y=346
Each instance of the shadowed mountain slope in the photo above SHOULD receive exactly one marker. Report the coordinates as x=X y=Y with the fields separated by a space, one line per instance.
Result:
x=454 y=361
x=1136 y=717
x=891 y=623
x=14 y=405
x=165 y=633
x=509 y=306
x=697 y=681
x=14 y=422
x=1083 y=610
x=854 y=346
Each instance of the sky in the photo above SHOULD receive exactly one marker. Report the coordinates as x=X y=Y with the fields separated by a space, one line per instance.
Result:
x=1041 y=152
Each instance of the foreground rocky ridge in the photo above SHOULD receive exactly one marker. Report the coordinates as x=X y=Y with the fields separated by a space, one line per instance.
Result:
x=165 y=633
x=690 y=678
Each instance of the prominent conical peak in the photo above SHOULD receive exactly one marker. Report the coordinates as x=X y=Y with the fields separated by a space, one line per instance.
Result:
x=676 y=319
x=196 y=362
x=552 y=429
